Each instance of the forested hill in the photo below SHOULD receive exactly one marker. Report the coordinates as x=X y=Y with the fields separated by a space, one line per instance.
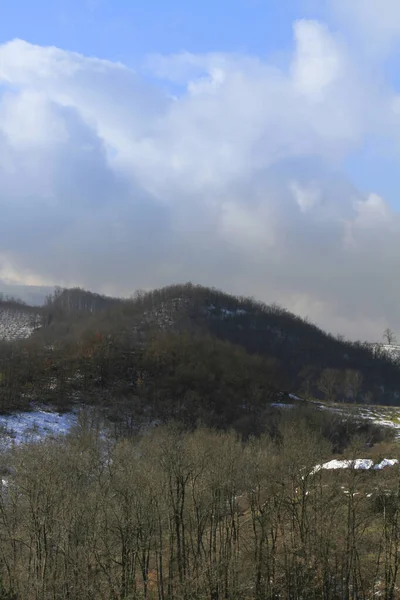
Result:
x=309 y=360
x=185 y=352
x=75 y=301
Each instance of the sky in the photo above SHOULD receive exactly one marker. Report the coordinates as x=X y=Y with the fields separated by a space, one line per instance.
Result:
x=251 y=145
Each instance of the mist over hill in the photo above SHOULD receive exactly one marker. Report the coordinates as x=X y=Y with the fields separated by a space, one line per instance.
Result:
x=34 y=295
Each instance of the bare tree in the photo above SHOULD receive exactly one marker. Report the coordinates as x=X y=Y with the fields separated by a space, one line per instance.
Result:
x=389 y=336
x=330 y=383
x=352 y=384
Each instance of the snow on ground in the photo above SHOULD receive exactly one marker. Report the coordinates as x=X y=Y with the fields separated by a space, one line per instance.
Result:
x=17 y=324
x=386 y=462
x=385 y=416
x=359 y=463
x=390 y=350
x=381 y=415
x=22 y=427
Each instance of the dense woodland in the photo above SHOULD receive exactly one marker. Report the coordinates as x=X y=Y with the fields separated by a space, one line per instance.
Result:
x=185 y=352
x=202 y=515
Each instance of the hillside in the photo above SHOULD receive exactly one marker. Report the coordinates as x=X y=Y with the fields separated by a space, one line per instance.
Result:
x=302 y=349
x=17 y=320
x=185 y=352
x=391 y=350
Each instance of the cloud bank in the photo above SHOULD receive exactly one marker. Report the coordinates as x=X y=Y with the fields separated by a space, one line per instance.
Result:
x=221 y=169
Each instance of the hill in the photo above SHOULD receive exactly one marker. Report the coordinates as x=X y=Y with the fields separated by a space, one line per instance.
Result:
x=303 y=349
x=350 y=371
x=186 y=352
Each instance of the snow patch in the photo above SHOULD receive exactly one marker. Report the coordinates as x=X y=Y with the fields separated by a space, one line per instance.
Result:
x=364 y=464
x=358 y=463
x=386 y=462
x=392 y=351
x=17 y=324
x=23 y=427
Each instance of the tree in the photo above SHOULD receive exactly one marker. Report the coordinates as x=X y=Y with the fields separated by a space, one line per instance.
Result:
x=330 y=383
x=353 y=381
x=389 y=336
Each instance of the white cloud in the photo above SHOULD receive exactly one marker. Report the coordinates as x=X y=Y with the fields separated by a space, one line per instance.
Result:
x=375 y=22
x=235 y=179
x=319 y=64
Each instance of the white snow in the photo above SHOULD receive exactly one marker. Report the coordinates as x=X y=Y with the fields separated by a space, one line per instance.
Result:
x=17 y=324
x=390 y=350
x=22 y=427
x=386 y=462
x=359 y=463
x=383 y=416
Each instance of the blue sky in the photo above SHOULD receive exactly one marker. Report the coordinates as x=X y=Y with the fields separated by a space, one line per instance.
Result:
x=248 y=144
x=129 y=30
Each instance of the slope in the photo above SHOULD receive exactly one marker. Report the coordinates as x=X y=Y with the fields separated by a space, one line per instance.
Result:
x=310 y=361
x=17 y=320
